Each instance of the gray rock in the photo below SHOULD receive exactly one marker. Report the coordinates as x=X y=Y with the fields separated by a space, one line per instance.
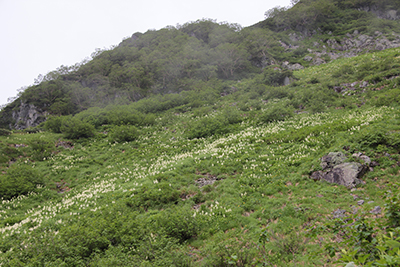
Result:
x=318 y=61
x=346 y=174
x=286 y=81
x=339 y=213
x=363 y=84
x=392 y=14
x=294 y=37
x=296 y=66
x=308 y=58
x=374 y=164
x=317 y=175
x=355 y=210
x=360 y=202
x=376 y=210
x=332 y=159
x=336 y=170
x=366 y=159
x=27 y=116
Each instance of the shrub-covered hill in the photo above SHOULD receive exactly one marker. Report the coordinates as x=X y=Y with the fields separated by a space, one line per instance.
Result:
x=195 y=56
x=216 y=176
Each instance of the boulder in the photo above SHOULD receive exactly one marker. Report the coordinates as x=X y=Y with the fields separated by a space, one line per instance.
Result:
x=332 y=159
x=346 y=174
x=336 y=170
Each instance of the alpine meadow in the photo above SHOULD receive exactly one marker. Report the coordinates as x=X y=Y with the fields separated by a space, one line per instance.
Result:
x=210 y=144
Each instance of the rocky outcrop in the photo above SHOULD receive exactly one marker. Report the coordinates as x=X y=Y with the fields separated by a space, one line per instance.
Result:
x=382 y=14
x=335 y=170
x=355 y=44
x=289 y=66
x=350 y=45
x=27 y=116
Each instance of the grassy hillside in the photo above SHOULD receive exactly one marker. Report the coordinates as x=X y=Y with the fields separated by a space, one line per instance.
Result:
x=192 y=56
x=215 y=176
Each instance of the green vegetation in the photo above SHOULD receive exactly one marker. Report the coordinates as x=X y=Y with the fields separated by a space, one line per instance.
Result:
x=202 y=162
x=129 y=190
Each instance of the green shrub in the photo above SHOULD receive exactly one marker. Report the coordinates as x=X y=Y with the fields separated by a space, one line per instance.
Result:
x=53 y=124
x=124 y=115
x=178 y=223
x=19 y=180
x=154 y=197
x=371 y=137
x=232 y=115
x=276 y=113
x=318 y=107
x=205 y=127
x=40 y=148
x=275 y=77
x=4 y=132
x=8 y=153
x=344 y=71
x=124 y=133
x=74 y=128
x=393 y=207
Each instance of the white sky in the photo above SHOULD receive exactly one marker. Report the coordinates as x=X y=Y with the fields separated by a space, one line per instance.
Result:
x=38 y=36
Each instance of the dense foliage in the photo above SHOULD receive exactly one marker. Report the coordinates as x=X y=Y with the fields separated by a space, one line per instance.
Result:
x=170 y=153
x=183 y=58
x=168 y=182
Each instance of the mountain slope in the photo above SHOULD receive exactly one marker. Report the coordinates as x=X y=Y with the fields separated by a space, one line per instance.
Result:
x=172 y=60
x=218 y=172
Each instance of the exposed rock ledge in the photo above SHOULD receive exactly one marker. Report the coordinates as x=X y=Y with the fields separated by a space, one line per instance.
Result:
x=27 y=116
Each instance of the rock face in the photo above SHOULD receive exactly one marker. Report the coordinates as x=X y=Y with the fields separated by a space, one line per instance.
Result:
x=335 y=170
x=354 y=44
x=27 y=116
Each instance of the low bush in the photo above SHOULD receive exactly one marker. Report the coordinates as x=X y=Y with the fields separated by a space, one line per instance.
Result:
x=53 y=124
x=74 y=128
x=154 y=197
x=275 y=113
x=40 y=148
x=206 y=126
x=4 y=132
x=178 y=223
x=19 y=180
x=124 y=133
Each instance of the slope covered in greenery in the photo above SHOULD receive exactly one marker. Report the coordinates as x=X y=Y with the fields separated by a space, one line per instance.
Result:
x=185 y=57
x=217 y=184
x=169 y=152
